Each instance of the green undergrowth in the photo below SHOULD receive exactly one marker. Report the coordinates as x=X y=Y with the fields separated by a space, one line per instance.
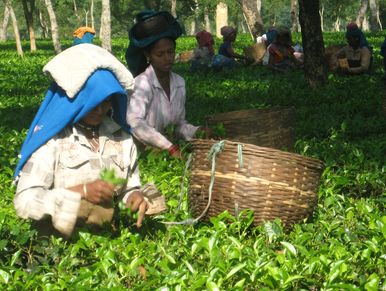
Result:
x=341 y=247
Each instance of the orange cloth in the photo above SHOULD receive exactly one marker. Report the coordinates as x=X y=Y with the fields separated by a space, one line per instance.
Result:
x=82 y=30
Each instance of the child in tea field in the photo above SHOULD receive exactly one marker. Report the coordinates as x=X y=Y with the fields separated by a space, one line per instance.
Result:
x=79 y=130
x=354 y=58
x=159 y=97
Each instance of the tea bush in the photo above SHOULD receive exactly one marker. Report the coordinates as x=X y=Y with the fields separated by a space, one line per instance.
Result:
x=342 y=247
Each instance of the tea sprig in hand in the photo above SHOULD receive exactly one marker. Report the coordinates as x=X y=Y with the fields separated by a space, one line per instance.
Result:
x=108 y=175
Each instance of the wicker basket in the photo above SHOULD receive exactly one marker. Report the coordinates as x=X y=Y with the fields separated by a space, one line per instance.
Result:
x=267 y=127
x=272 y=183
x=255 y=52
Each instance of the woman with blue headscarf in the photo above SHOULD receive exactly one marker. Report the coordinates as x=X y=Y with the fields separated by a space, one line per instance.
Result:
x=354 y=58
x=79 y=131
x=158 y=101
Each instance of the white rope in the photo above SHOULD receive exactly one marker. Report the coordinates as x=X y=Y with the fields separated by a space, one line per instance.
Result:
x=215 y=149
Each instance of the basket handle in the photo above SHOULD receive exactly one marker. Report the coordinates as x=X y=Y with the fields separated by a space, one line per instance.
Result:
x=215 y=149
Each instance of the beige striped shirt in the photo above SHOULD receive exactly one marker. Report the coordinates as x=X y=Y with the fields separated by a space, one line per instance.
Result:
x=67 y=160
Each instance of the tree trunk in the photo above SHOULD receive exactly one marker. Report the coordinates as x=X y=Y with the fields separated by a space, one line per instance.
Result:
x=207 y=20
x=221 y=17
x=92 y=14
x=362 y=12
x=173 y=9
x=86 y=16
x=43 y=25
x=242 y=25
x=76 y=11
x=337 y=24
x=366 y=24
x=15 y=26
x=294 y=15
x=193 y=27
x=3 y=32
x=315 y=67
x=321 y=14
x=374 y=10
x=105 y=31
x=54 y=26
x=252 y=17
x=379 y=20
x=29 y=18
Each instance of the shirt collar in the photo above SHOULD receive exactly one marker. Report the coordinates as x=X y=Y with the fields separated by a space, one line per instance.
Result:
x=107 y=128
x=174 y=81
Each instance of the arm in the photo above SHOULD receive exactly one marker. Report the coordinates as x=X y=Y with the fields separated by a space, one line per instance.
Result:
x=134 y=198
x=137 y=112
x=233 y=54
x=365 y=62
x=334 y=58
x=35 y=196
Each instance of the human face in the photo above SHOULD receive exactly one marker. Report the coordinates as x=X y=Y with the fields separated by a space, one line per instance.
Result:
x=162 y=54
x=353 y=41
x=95 y=116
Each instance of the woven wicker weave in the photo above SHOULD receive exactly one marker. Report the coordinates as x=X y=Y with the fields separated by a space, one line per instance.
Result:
x=272 y=183
x=267 y=127
x=255 y=52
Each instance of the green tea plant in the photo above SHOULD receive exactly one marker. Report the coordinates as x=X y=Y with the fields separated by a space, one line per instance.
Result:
x=341 y=247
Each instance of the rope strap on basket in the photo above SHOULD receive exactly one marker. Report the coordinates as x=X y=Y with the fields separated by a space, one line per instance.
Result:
x=214 y=151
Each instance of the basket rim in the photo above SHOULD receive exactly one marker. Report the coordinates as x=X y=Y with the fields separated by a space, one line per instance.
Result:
x=254 y=148
x=229 y=114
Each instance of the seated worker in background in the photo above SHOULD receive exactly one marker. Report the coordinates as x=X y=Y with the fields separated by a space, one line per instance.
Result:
x=354 y=58
x=268 y=37
x=281 y=52
x=204 y=52
x=79 y=130
x=83 y=34
x=227 y=57
x=158 y=101
x=383 y=54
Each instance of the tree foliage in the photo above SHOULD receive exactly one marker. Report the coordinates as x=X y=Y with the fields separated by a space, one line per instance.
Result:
x=74 y=13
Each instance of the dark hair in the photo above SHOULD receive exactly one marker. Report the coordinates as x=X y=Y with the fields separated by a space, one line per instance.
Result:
x=151 y=46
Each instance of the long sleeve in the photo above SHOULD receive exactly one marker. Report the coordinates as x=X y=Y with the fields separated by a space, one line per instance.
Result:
x=184 y=129
x=35 y=198
x=138 y=110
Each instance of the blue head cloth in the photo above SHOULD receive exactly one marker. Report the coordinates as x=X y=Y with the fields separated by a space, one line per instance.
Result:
x=58 y=110
x=150 y=27
x=86 y=38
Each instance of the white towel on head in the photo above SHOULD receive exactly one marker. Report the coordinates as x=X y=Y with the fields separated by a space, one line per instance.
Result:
x=71 y=68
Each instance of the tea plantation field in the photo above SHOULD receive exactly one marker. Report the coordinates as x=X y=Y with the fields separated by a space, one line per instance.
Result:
x=342 y=247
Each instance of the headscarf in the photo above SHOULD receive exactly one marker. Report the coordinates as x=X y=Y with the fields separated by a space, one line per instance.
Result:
x=58 y=110
x=150 y=27
x=271 y=35
x=205 y=39
x=354 y=30
x=83 y=34
x=226 y=31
